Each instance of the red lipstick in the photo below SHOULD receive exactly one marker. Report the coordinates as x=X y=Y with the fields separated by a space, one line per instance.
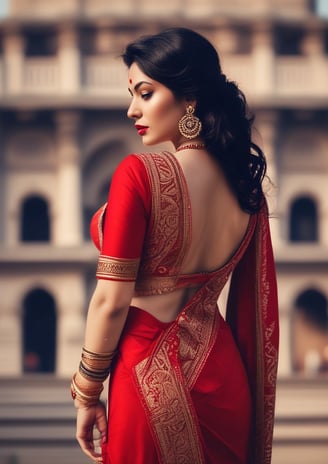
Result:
x=141 y=129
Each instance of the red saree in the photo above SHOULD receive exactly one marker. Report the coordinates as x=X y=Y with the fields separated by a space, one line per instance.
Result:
x=197 y=390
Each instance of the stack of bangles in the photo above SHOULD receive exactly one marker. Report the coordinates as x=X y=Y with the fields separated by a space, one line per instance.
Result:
x=87 y=383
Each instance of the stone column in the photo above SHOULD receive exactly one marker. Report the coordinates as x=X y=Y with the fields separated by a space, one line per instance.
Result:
x=68 y=212
x=285 y=355
x=69 y=59
x=313 y=47
x=10 y=340
x=263 y=59
x=71 y=324
x=14 y=61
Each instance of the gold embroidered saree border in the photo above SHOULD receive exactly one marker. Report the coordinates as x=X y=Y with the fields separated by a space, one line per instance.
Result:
x=156 y=285
x=167 y=244
x=168 y=408
x=267 y=354
x=124 y=269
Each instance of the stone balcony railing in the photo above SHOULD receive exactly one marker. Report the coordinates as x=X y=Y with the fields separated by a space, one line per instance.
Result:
x=295 y=79
x=40 y=75
x=289 y=77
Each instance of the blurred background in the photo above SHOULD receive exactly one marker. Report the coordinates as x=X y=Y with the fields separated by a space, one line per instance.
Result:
x=63 y=129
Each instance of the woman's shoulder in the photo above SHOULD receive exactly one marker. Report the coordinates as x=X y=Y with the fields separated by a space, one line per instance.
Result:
x=135 y=161
x=130 y=166
x=140 y=168
x=131 y=174
x=145 y=160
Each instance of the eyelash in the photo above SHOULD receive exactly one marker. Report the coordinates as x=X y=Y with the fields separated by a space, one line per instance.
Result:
x=146 y=96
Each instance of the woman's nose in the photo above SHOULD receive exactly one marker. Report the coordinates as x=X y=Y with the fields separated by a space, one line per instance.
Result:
x=133 y=112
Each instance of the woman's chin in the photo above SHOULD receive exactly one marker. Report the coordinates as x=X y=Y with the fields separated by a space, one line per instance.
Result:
x=148 y=142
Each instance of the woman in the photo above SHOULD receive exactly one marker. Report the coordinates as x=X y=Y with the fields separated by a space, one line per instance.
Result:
x=186 y=386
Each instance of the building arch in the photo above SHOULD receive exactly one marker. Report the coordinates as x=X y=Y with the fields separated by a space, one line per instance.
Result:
x=34 y=219
x=39 y=328
x=310 y=331
x=303 y=220
x=113 y=135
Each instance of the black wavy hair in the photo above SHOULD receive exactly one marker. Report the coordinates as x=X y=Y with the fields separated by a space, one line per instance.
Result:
x=188 y=64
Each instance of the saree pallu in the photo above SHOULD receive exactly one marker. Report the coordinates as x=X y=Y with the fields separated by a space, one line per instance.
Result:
x=197 y=390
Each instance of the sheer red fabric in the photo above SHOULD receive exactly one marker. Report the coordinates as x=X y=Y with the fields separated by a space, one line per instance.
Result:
x=199 y=389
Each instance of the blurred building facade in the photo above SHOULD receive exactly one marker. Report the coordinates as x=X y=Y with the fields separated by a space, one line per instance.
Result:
x=63 y=129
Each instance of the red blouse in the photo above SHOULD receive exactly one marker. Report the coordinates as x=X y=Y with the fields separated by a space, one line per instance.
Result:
x=118 y=228
x=144 y=230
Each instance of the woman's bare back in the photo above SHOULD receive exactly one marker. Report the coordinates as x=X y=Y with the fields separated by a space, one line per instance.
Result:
x=218 y=227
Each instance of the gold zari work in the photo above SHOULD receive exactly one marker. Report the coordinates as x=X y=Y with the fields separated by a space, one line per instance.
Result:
x=117 y=268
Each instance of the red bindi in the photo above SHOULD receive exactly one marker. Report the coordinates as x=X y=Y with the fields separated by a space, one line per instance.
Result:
x=130 y=81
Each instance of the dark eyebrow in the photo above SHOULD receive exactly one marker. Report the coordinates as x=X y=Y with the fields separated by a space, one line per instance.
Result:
x=136 y=87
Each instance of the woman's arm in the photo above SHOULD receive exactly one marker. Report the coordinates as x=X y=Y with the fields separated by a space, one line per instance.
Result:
x=107 y=314
x=122 y=235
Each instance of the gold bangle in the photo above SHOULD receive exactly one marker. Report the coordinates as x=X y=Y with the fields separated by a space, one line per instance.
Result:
x=94 y=390
x=96 y=363
x=103 y=356
x=86 y=399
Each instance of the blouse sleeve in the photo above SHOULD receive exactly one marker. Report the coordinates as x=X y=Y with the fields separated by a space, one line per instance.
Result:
x=125 y=222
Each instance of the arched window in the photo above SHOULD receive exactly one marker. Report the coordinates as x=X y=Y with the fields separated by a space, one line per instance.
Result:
x=39 y=332
x=310 y=332
x=35 y=225
x=303 y=220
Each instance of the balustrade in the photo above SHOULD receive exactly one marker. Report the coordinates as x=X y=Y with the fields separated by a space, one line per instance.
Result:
x=41 y=75
x=260 y=73
x=239 y=68
x=293 y=76
x=106 y=75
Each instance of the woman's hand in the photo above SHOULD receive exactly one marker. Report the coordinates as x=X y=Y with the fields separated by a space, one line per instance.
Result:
x=87 y=420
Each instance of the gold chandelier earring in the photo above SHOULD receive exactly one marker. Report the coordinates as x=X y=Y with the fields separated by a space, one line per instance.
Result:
x=189 y=125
